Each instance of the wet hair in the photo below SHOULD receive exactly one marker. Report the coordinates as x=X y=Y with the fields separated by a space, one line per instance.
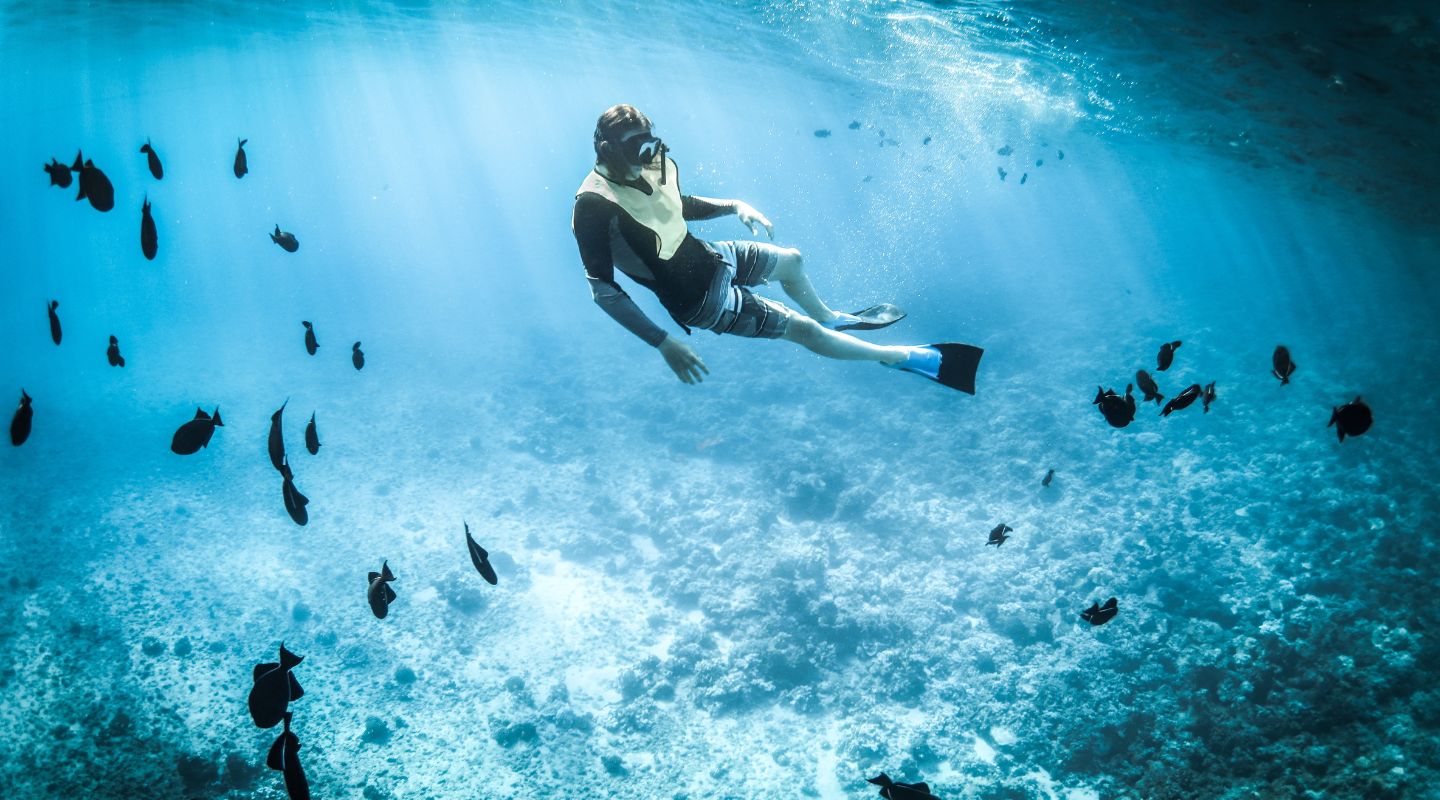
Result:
x=617 y=121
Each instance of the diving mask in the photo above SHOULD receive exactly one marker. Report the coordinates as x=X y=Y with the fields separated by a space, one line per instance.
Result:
x=641 y=150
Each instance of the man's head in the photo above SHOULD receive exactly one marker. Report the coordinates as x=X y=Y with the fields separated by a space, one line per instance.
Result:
x=623 y=142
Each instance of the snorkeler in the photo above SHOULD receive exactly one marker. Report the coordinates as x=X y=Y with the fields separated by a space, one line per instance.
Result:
x=629 y=212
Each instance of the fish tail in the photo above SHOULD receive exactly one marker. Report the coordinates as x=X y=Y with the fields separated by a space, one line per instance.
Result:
x=216 y=418
x=288 y=659
x=385 y=571
x=79 y=162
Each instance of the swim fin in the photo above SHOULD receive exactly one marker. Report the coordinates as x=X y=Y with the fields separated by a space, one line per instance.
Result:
x=958 y=364
x=872 y=318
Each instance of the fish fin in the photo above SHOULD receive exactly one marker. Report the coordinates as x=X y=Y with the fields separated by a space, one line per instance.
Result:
x=216 y=418
x=1111 y=603
x=289 y=660
x=79 y=162
x=1334 y=415
x=1175 y=344
x=880 y=780
x=370 y=577
x=385 y=571
x=261 y=669
x=275 y=759
x=200 y=414
x=295 y=691
x=243 y=141
x=389 y=594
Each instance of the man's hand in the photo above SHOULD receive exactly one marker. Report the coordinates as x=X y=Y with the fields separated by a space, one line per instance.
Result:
x=682 y=358
x=751 y=218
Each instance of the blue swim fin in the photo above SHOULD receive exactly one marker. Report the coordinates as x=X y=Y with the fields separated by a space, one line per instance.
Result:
x=958 y=364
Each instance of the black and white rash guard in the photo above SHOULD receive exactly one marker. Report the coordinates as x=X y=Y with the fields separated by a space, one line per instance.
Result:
x=679 y=281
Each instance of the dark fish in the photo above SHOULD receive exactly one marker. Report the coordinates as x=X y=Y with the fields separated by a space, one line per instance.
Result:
x=1148 y=386
x=54 y=321
x=1118 y=411
x=1002 y=172
x=20 y=424
x=1097 y=614
x=59 y=173
x=310 y=344
x=890 y=142
x=149 y=241
x=1005 y=151
x=1049 y=476
x=285 y=239
x=1167 y=355
x=1060 y=155
x=196 y=433
x=380 y=594
x=274 y=688
x=242 y=166
x=294 y=501
x=112 y=353
x=854 y=125
x=357 y=357
x=276 y=442
x=1182 y=400
x=312 y=438
x=1351 y=419
x=1209 y=396
x=480 y=558
x=284 y=757
x=894 y=790
x=153 y=160
x=1039 y=162
x=1023 y=178
x=997 y=534
x=823 y=133
x=926 y=140
x=1283 y=367
x=94 y=186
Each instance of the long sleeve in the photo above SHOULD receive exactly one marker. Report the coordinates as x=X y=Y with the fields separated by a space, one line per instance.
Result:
x=697 y=208
x=591 y=224
x=610 y=297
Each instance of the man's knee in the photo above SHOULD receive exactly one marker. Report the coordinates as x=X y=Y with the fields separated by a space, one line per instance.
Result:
x=803 y=330
x=789 y=264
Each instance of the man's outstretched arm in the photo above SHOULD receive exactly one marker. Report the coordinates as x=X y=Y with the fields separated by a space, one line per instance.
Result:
x=694 y=207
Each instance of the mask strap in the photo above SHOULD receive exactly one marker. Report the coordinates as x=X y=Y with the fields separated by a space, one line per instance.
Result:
x=663 y=151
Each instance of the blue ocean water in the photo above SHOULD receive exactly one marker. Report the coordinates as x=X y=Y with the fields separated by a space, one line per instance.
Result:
x=775 y=582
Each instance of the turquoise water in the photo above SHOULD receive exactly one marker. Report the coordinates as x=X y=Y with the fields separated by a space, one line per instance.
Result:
x=773 y=583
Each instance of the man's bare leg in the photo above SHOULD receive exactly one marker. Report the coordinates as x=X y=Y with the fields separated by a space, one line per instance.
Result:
x=790 y=272
x=820 y=340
